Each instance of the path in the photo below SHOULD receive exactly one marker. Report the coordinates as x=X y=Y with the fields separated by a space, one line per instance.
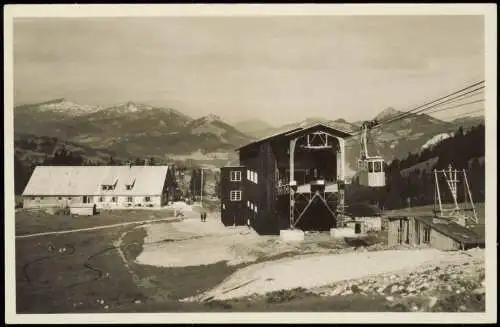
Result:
x=97 y=227
x=321 y=270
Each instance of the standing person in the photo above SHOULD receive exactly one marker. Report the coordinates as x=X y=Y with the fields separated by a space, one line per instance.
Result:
x=204 y=216
x=201 y=216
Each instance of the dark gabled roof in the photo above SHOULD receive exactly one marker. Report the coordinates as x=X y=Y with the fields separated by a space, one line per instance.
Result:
x=453 y=230
x=299 y=130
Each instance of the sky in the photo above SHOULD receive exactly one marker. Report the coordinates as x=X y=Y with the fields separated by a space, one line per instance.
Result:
x=278 y=69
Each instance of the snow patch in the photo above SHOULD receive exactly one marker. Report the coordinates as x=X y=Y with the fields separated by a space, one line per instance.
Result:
x=68 y=107
x=435 y=140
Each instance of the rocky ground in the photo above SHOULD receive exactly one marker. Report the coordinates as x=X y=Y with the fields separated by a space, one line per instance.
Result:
x=423 y=289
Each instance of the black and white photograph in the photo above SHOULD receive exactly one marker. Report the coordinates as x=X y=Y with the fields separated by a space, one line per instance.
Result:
x=258 y=163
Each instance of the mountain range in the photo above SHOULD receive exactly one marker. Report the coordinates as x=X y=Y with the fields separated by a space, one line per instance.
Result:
x=140 y=130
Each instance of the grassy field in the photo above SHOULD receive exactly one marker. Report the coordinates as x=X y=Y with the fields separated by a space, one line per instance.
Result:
x=90 y=276
x=84 y=272
x=29 y=222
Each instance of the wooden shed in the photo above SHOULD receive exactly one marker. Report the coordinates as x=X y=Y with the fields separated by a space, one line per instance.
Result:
x=438 y=233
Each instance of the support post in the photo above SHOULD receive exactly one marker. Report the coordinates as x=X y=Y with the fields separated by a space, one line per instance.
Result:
x=341 y=160
x=201 y=189
x=438 y=193
x=292 y=159
x=292 y=181
x=470 y=197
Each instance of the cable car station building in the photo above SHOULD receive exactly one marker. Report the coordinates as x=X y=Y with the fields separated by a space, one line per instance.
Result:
x=291 y=180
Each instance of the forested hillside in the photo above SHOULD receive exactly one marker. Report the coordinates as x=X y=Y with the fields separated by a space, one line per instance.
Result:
x=411 y=181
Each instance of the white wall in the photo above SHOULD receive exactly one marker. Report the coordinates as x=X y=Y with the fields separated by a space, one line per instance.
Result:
x=66 y=201
x=50 y=201
x=371 y=223
x=122 y=202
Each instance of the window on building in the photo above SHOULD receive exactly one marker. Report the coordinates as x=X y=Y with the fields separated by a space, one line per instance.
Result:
x=114 y=199
x=147 y=198
x=248 y=204
x=255 y=178
x=69 y=197
x=255 y=208
x=33 y=198
x=235 y=176
x=370 y=167
x=378 y=167
x=41 y=198
x=248 y=175
x=251 y=206
x=427 y=235
x=235 y=195
x=129 y=198
x=59 y=198
x=101 y=199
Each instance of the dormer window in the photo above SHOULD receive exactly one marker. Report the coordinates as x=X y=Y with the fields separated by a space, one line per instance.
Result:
x=109 y=183
x=107 y=187
x=130 y=184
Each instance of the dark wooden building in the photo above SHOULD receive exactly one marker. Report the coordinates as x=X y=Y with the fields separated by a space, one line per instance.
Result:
x=293 y=179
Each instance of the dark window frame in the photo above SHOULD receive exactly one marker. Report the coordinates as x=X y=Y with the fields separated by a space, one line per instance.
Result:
x=235 y=198
x=233 y=174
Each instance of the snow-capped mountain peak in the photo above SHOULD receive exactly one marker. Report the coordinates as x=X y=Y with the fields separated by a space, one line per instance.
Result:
x=131 y=106
x=68 y=107
x=211 y=118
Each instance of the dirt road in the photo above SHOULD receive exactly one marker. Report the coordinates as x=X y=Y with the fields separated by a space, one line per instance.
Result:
x=96 y=227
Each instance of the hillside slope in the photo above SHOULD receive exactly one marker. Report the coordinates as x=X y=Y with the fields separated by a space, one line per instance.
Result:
x=129 y=128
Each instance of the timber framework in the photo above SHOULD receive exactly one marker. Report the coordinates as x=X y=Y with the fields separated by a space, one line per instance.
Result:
x=293 y=179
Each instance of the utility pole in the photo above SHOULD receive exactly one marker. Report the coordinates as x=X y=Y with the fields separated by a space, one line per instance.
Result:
x=201 y=189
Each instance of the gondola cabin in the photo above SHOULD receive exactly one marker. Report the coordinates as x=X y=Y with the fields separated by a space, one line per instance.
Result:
x=371 y=172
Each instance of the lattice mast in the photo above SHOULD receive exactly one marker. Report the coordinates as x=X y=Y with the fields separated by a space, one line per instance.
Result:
x=452 y=178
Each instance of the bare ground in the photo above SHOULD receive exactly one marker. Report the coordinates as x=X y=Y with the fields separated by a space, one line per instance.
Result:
x=151 y=267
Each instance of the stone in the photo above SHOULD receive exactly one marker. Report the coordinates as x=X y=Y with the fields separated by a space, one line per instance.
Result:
x=480 y=290
x=390 y=298
x=289 y=235
x=355 y=289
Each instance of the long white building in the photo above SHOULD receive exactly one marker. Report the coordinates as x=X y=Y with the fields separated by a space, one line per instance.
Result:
x=108 y=187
